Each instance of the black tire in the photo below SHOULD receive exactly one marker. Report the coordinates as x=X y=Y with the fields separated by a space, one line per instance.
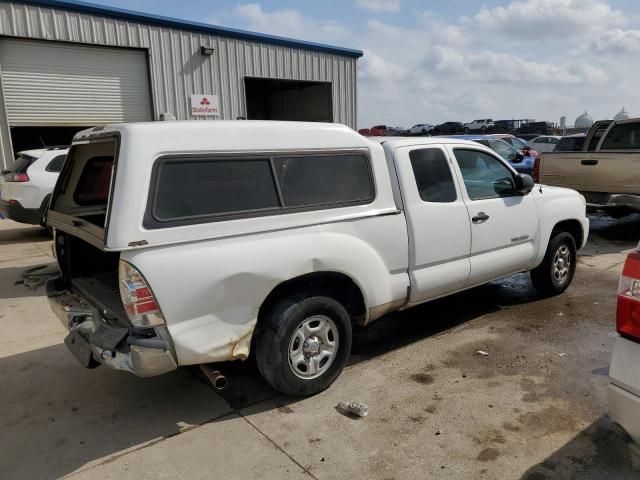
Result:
x=424 y=132
x=546 y=277
x=274 y=336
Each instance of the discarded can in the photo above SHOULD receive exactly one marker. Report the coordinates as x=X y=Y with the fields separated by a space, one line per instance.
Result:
x=355 y=408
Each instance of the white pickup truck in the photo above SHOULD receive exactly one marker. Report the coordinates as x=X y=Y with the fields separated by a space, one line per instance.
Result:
x=185 y=243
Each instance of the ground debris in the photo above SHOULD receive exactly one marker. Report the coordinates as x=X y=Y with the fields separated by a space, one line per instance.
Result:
x=355 y=408
x=483 y=353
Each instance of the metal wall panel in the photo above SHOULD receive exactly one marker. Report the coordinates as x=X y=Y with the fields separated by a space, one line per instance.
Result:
x=177 y=67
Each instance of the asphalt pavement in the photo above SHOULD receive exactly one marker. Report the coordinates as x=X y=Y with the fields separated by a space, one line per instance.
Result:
x=534 y=408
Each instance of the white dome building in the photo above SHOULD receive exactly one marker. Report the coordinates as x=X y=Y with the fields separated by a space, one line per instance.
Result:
x=584 y=121
x=622 y=115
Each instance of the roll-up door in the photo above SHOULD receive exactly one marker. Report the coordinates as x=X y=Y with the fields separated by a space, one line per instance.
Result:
x=57 y=84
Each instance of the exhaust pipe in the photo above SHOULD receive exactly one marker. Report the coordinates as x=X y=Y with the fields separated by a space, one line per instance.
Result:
x=217 y=379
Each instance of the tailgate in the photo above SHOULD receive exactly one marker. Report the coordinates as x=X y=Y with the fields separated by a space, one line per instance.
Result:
x=609 y=172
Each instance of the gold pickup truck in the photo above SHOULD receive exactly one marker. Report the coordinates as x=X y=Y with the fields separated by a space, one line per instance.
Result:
x=606 y=171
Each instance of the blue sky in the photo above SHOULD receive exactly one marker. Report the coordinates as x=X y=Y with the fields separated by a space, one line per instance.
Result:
x=434 y=61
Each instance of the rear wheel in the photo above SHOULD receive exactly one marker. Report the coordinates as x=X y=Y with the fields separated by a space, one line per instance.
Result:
x=303 y=344
x=554 y=275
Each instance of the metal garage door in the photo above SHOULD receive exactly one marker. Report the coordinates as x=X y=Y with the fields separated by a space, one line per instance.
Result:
x=51 y=83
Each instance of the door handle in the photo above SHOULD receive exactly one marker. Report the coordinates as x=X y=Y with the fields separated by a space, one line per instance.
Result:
x=481 y=217
x=589 y=162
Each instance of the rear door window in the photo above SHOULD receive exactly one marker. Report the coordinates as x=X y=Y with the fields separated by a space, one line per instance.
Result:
x=433 y=175
x=625 y=136
x=55 y=165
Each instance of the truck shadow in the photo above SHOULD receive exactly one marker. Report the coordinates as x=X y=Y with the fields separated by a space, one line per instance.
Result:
x=611 y=235
x=59 y=417
x=596 y=452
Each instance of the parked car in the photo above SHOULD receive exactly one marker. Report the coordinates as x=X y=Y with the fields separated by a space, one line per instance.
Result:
x=541 y=128
x=396 y=132
x=421 y=129
x=521 y=162
x=571 y=143
x=365 y=132
x=26 y=186
x=527 y=137
x=522 y=146
x=448 y=128
x=377 y=130
x=624 y=371
x=183 y=243
x=480 y=125
x=545 y=143
x=505 y=125
x=607 y=169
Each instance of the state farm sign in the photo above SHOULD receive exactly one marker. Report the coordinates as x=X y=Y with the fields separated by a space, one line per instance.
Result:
x=205 y=105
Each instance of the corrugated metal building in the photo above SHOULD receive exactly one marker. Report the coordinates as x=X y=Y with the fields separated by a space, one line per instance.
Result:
x=66 y=65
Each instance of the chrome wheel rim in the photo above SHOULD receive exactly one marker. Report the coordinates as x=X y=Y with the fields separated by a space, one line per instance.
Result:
x=561 y=264
x=313 y=347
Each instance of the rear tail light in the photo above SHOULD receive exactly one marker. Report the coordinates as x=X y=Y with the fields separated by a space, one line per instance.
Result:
x=16 y=177
x=628 y=311
x=137 y=297
x=536 y=169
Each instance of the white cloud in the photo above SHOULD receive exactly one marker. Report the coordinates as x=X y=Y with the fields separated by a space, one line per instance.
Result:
x=286 y=22
x=618 y=42
x=492 y=67
x=527 y=59
x=535 y=19
x=379 y=5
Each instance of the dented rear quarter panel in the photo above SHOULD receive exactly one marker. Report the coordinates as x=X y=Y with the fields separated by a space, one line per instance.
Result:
x=210 y=292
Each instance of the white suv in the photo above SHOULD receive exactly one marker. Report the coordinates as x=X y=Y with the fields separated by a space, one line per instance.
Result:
x=482 y=125
x=26 y=186
x=421 y=129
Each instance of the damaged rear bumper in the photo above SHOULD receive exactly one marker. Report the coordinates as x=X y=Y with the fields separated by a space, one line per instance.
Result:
x=94 y=341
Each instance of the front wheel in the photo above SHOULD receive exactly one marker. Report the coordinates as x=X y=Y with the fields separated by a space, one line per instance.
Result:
x=554 y=275
x=303 y=344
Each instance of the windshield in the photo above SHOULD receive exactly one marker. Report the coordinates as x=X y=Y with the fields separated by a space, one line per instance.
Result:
x=503 y=149
x=519 y=144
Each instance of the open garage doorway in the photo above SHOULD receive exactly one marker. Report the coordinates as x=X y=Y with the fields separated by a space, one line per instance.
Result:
x=28 y=138
x=274 y=99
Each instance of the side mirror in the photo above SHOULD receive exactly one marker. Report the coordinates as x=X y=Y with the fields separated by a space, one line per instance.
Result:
x=524 y=183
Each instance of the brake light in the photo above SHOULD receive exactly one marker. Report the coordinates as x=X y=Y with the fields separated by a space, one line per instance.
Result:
x=628 y=310
x=16 y=177
x=139 y=302
x=536 y=169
